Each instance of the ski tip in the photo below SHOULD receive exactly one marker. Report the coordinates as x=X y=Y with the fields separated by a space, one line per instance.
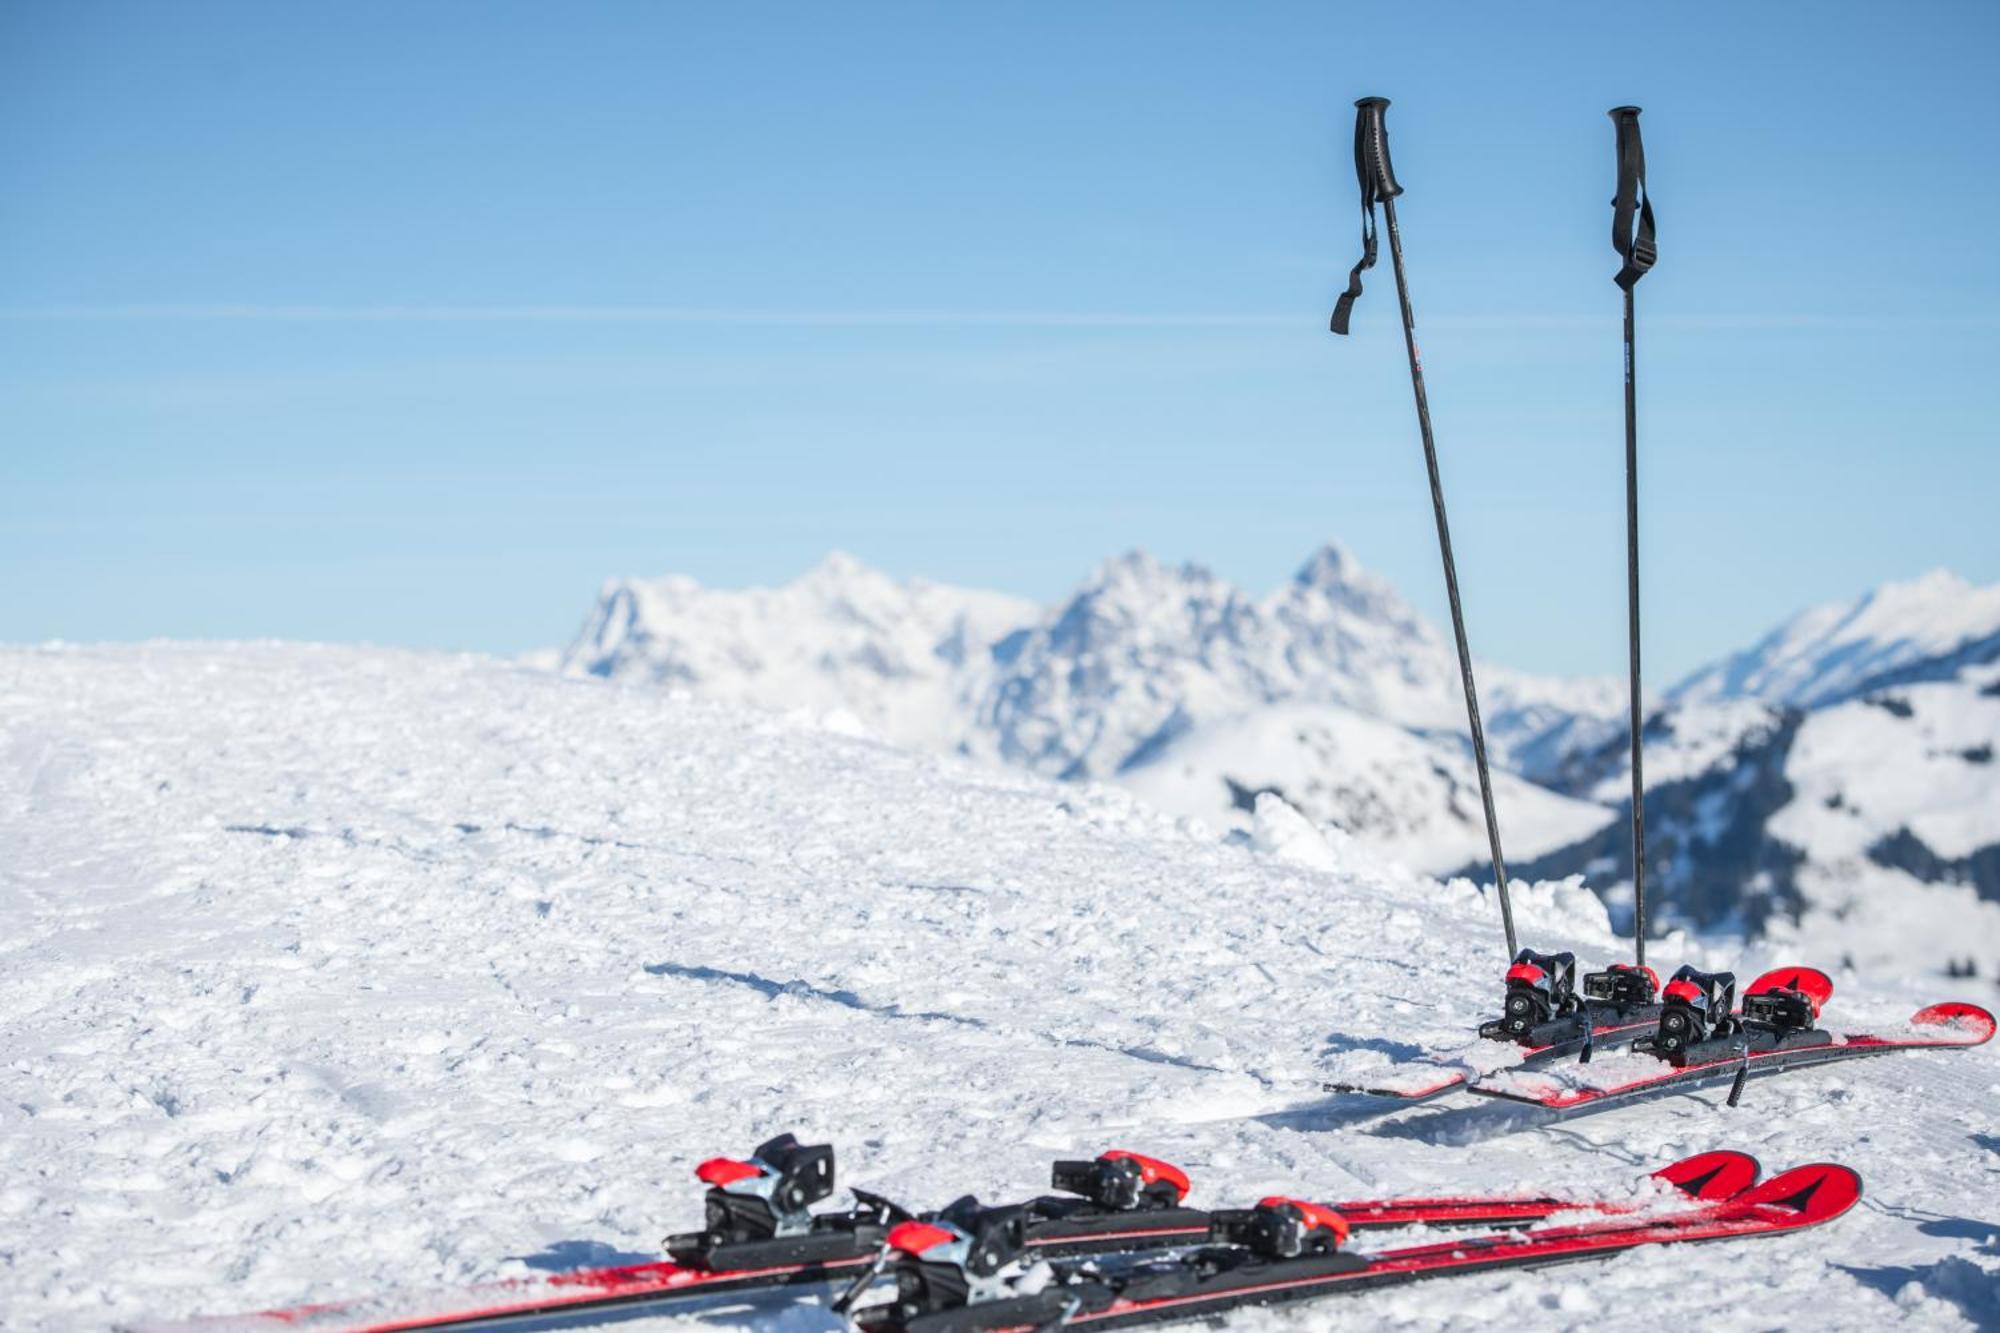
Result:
x=1718 y=1175
x=1973 y=1023
x=1815 y=1193
x=1413 y=1092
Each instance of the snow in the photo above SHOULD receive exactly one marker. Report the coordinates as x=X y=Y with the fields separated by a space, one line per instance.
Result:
x=327 y=970
x=1687 y=741
x=1407 y=798
x=894 y=655
x=1926 y=763
x=1827 y=652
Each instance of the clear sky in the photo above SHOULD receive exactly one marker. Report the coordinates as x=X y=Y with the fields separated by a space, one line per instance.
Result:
x=413 y=323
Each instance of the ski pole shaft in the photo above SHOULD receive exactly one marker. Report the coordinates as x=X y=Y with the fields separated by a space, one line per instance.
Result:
x=1372 y=144
x=1632 y=236
x=1632 y=643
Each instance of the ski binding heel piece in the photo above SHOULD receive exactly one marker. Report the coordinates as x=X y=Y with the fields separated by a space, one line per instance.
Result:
x=1123 y=1182
x=1779 y=1010
x=763 y=1198
x=1622 y=986
x=1281 y=1228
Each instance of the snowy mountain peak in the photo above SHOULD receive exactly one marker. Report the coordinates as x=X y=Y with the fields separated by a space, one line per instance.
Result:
x=1331 y=566
x=842 y=636
x=1831 y=651
x=837 y=569
x=1333 y=585
x=838 y=561
x=1134 y=599
x=1140 y=573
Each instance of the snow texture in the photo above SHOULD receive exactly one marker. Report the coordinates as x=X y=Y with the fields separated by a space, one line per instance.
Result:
x=328 y=970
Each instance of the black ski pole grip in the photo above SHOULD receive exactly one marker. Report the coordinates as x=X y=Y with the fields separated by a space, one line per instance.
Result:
x=1632 y=204
x=1371 y=147
x=1378 y=184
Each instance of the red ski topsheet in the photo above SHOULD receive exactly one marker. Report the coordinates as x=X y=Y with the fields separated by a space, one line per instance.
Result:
x=526 y=1296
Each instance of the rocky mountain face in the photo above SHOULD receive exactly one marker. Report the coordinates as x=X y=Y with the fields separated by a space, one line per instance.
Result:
x=1143 y=653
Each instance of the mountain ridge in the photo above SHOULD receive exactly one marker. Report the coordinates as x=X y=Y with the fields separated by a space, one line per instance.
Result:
x=1332 y=692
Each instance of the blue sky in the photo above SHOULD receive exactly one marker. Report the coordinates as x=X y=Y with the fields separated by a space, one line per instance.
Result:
x=414 y=323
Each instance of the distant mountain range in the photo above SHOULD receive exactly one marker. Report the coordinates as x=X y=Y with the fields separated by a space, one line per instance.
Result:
x=1840 y=765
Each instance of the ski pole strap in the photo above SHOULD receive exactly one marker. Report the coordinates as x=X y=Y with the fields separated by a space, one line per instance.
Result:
x=1635 y=247
x=1378 y=182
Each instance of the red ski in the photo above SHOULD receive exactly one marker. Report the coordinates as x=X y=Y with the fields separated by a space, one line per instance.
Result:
x=1947 y=1026
x=1709 y=1177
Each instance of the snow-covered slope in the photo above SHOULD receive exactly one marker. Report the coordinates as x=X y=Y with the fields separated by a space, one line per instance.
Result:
x=323 y=970
x=1831 y=651
x=1406 y=797
x=897 y=655
x=1896 y=809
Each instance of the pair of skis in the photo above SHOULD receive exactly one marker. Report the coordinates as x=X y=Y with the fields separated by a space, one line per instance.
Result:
x=1690 y=1035
x=761 y=1237
x=1285 y=1250
x=1299 y=1258
x=1759 y=1047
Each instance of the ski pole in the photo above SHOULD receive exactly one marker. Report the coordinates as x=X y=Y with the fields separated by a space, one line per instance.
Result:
x=1378 y=184
x=1635 y=247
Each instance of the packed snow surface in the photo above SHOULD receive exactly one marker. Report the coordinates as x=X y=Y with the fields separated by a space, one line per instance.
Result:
x=326 y=970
